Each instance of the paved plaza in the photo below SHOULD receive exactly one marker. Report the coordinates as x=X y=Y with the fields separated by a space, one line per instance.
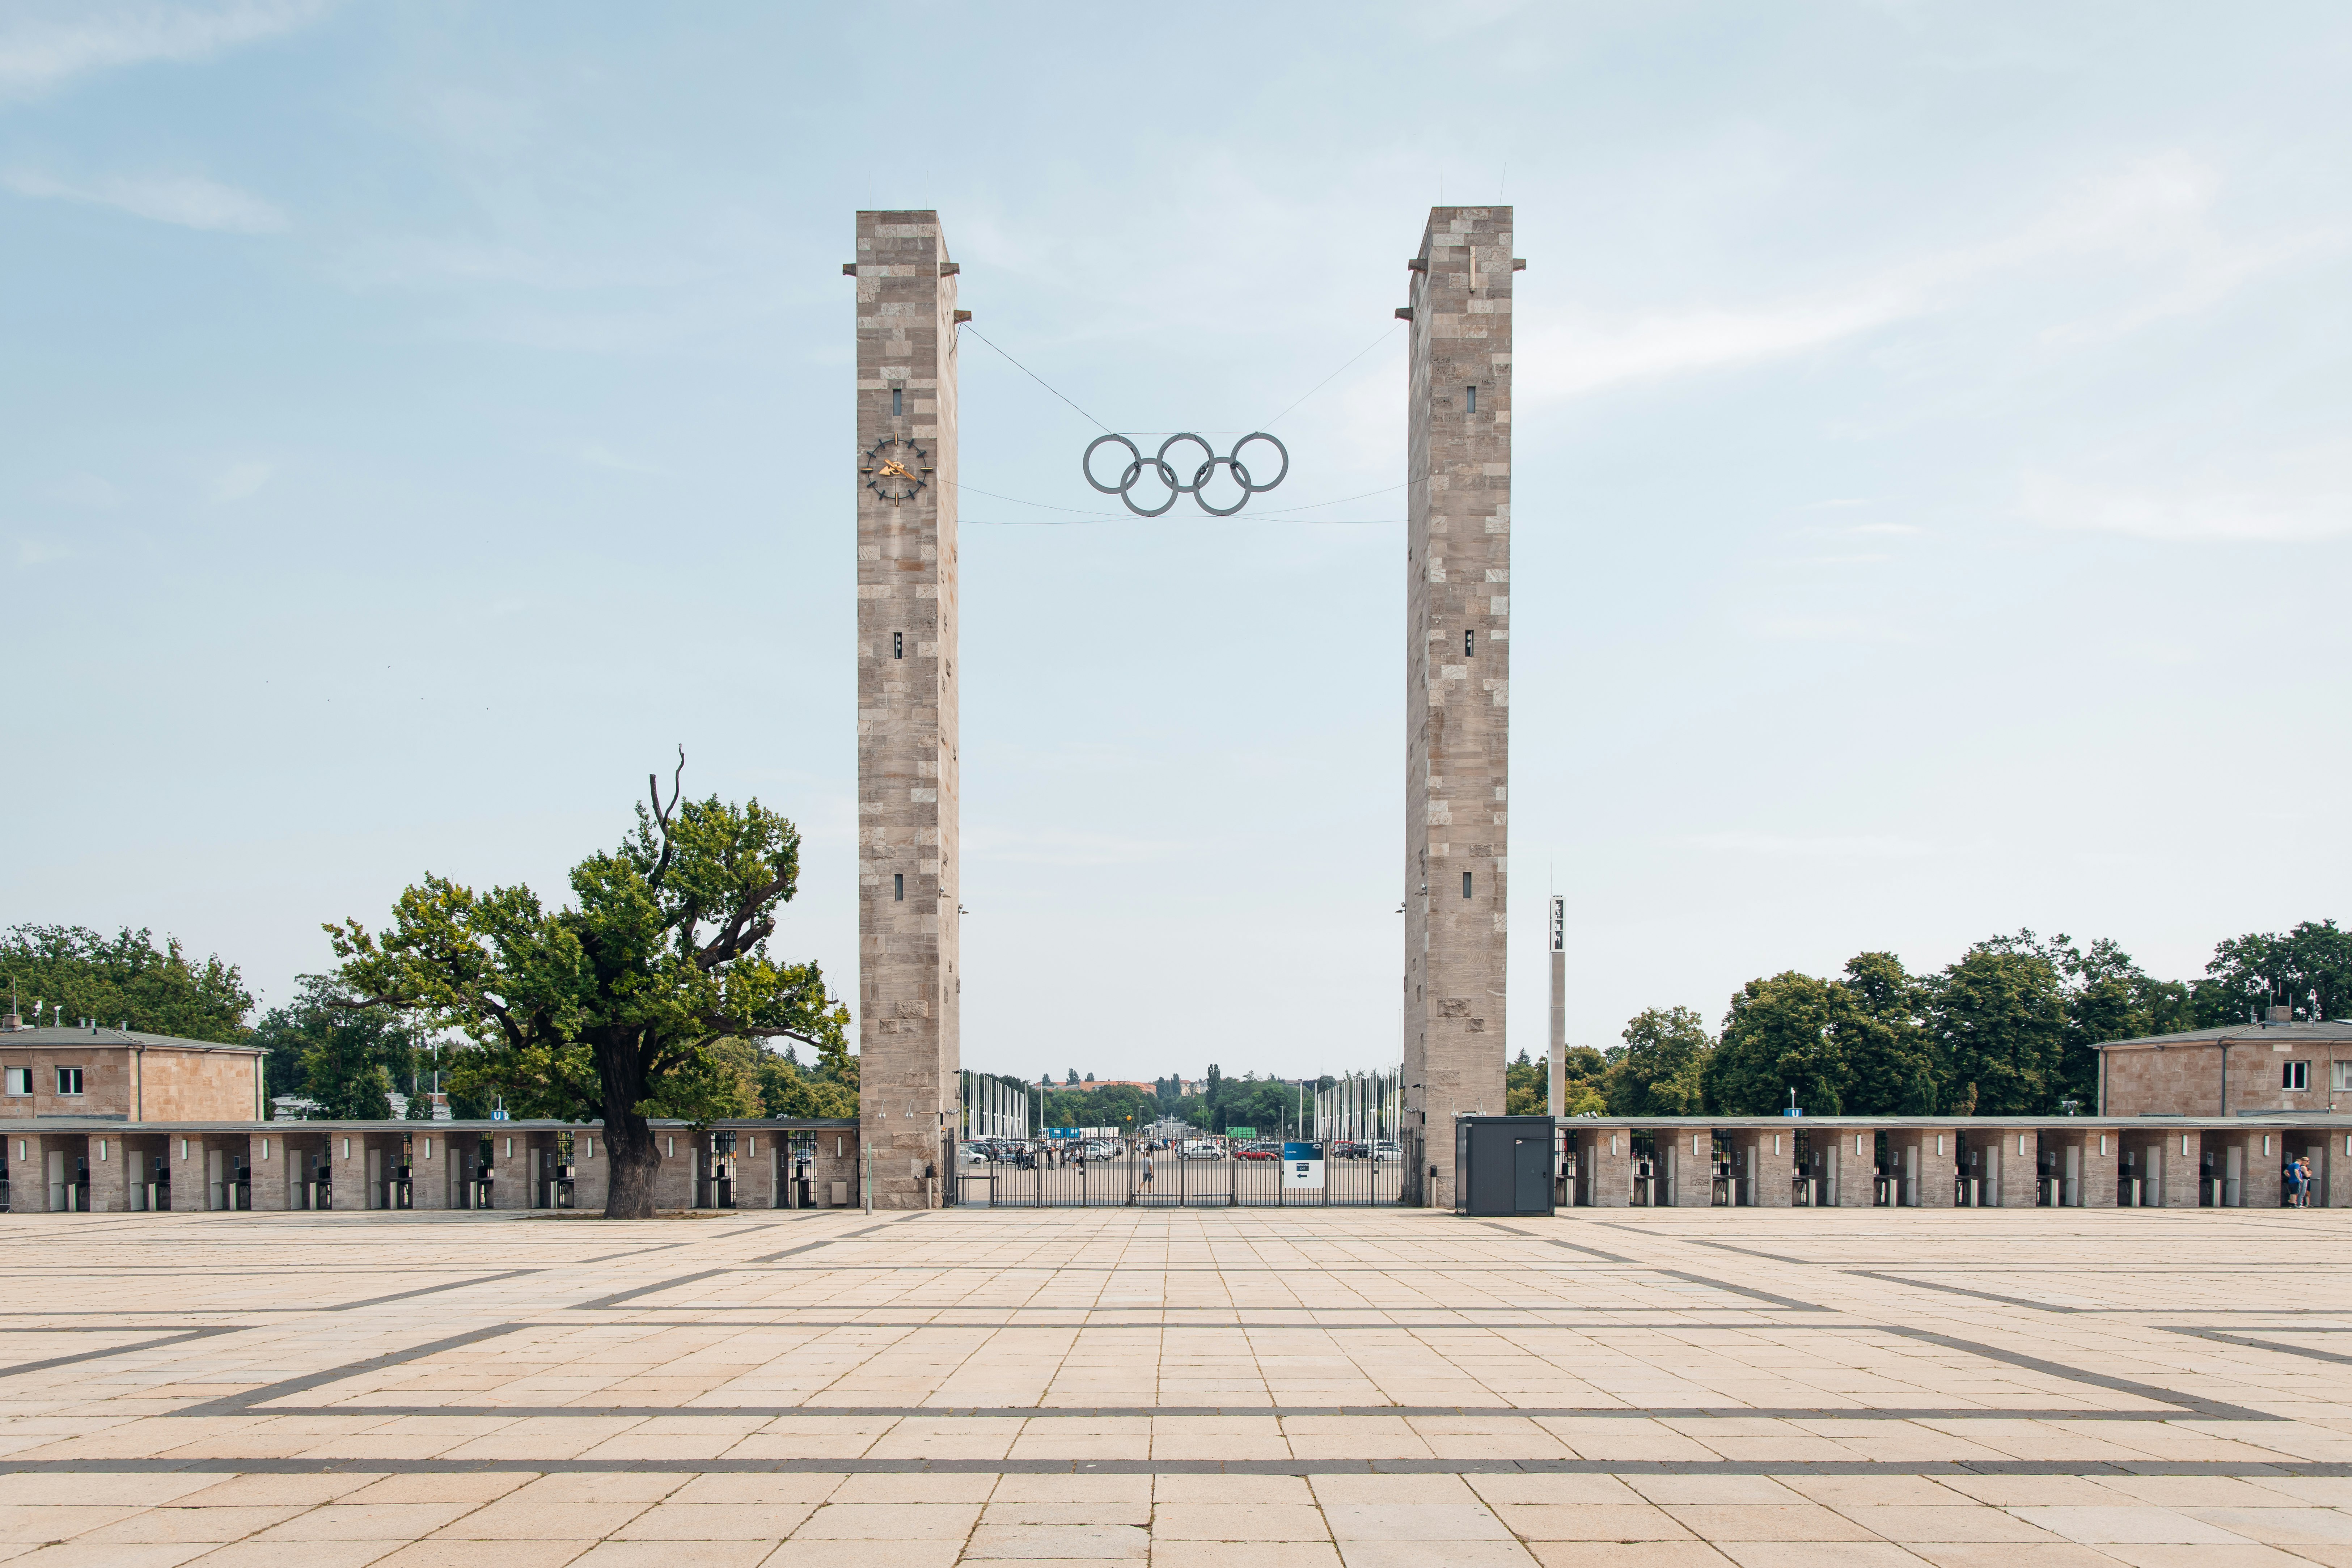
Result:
x=1667 y=1389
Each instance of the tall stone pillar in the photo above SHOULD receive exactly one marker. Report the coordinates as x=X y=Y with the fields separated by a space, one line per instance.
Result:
x=907 y=704
x=1457 y=676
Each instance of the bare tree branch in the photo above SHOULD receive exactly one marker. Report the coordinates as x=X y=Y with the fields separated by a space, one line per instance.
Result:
x=662 y=815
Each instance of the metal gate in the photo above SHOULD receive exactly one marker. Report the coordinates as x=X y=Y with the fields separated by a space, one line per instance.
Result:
x=1192 y=1172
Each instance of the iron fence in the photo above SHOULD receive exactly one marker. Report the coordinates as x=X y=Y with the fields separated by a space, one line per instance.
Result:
x=1191 y=1173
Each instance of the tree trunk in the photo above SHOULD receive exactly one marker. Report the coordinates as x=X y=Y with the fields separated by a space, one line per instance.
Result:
x=635 y=1161
x=629 y=1143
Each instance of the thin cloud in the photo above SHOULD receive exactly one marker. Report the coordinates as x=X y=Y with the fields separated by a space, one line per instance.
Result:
x=2155 y=209
x=44 y=46
x=2301 y=496
x=239 y=481
x=189 y=200
x=1780 y=845
x=85 y=489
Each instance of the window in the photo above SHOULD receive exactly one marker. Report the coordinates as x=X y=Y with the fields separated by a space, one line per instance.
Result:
x=1466 y=884
x=897 y=645
x=1469 y=645
x=70 y=1080
x=897 y=401
x=1474 y=399
x=898 y=887
x=20 y=1081
x=2341 y=1075
x=2291 y=1075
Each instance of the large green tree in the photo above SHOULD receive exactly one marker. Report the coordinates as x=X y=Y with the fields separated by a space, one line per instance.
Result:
x=1891 y=1060
x=1999 y=1019
x=1661 y=1069
x=75 y=973
x=2308 y=969
x=1784 y=1034
x=608 y=1006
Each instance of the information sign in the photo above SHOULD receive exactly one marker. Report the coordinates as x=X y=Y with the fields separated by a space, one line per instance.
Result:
x=1302 y=1165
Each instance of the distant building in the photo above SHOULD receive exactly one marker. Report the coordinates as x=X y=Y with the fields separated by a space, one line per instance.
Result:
x=125 y=1075
x=2255 y=1069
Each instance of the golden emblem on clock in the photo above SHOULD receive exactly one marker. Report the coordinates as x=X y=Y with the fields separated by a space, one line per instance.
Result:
x=896 y=470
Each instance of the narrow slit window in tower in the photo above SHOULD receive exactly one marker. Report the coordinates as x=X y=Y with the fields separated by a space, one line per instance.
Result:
x=1470 y=644
x=898 y=887
x=1473 y=398
x=897 y=401
x=1466 y=884
x=897 y=645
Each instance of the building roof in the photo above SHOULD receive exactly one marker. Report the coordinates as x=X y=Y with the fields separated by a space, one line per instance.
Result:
x=2325 y=1031
x=84 y=1039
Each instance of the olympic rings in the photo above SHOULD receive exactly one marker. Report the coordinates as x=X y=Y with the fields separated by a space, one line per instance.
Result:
x=1159 y=466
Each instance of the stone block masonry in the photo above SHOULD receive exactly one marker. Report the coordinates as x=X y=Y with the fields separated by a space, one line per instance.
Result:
x=1457 y=678
x=907 y=704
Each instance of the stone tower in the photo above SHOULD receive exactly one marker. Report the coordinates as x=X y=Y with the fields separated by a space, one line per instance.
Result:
x=1458 y=676
x=907 y=709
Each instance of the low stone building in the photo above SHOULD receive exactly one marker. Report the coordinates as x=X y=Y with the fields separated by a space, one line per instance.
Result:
x=111 y=1165
x=126 y=1074
x=2274 y=1065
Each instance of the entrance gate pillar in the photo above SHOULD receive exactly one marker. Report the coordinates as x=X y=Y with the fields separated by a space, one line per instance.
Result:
x=274 y=1172
x=1925 y=1158
x=1764 y=1167
x=592 y=1172
x=2021 y=1153
x=113 y=1169
x=2260 y=1186
x=1685 y=1166
x=2333 y=1172
x=755 y=1168
x=1850 y=1163
x=1604 y=1168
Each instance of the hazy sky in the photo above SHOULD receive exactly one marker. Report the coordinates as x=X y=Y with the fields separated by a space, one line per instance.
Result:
x=1932 y=484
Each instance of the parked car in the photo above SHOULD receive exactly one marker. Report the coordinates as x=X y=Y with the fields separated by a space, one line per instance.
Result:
x=1386 y=1149
x=1200 y=1149
x=1347 y=1149
x=1260 y=1150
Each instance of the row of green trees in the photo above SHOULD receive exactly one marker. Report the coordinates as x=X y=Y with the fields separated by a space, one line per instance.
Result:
x=2007 y=1029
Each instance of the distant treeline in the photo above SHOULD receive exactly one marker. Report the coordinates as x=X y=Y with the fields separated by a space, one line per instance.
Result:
x=2006 y=1030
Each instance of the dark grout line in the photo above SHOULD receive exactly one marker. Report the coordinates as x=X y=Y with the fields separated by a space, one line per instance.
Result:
x=432 y=1289
x=619 y=1296
x=1960 y=1291
x=112 y=1350
x=2213 y=1409
x=1801 y=1467
x=243 y=1404
x=2217 y=1335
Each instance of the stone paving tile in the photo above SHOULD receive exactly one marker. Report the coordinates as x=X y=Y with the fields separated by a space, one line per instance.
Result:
x=1096 y=1387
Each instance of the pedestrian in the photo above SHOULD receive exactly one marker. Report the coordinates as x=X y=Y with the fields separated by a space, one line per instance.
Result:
x=2298 y=1175
x=1147 y=1167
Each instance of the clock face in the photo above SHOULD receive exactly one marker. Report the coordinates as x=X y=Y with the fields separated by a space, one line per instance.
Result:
x=896 y=470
